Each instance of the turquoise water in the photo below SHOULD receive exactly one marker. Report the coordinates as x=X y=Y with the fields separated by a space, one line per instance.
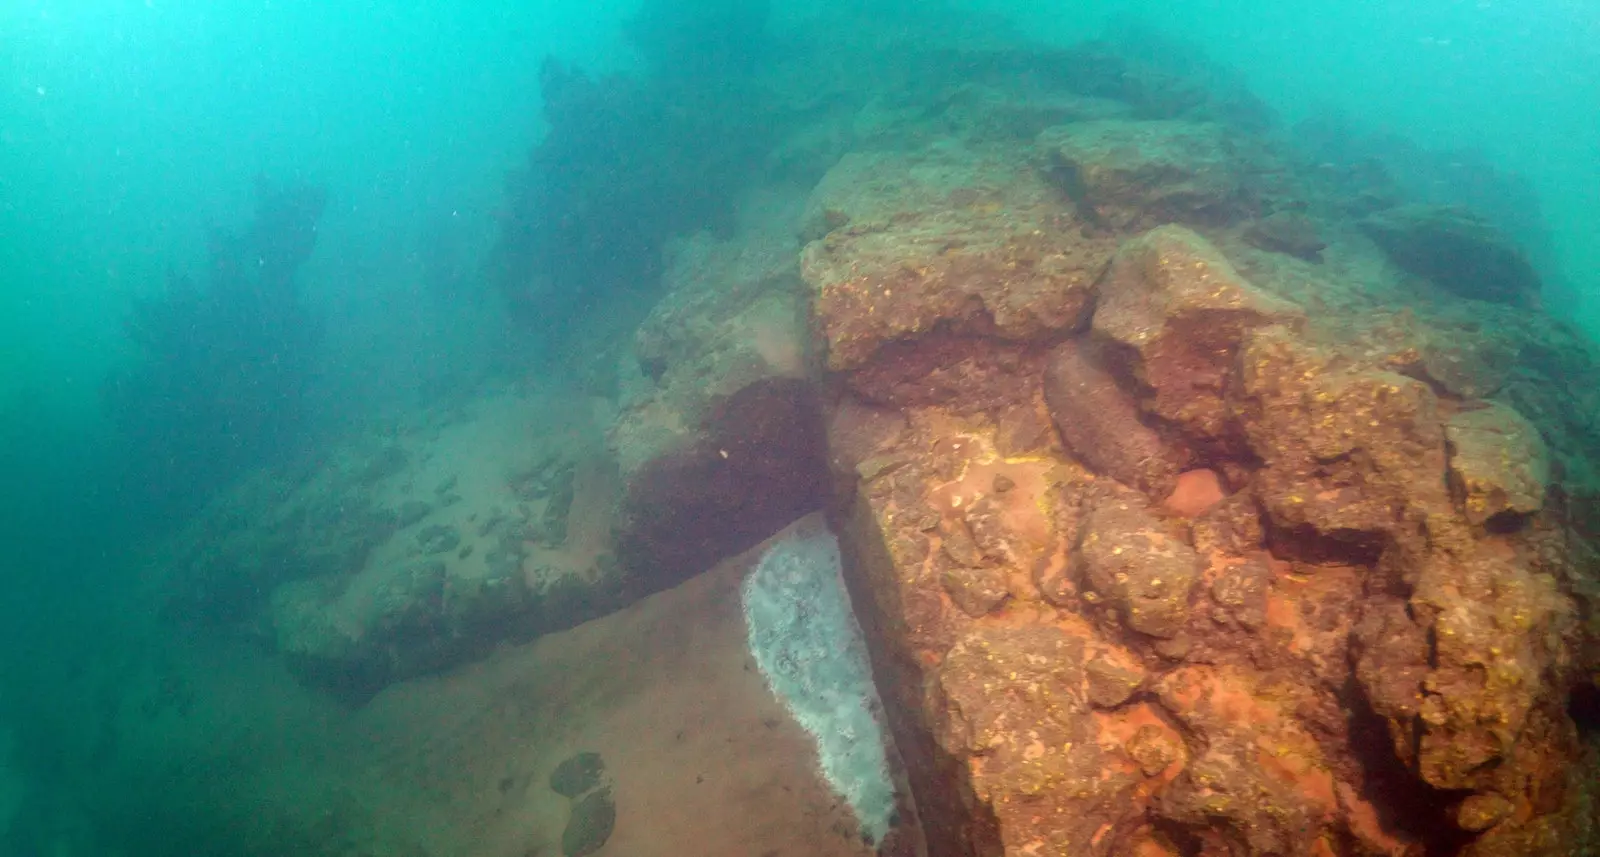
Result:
x=130 y=130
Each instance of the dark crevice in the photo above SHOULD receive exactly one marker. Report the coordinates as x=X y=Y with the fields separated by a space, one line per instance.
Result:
x=1408 y=807
x=1506 y=523
x=1306 y=544
x=1181 y=837
x=1583 y=706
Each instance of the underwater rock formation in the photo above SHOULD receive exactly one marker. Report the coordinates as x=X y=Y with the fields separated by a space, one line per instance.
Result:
x=719 y=440
x=1125 y=175
x=1180 y=518
x=1298 y=592
x=413 y=551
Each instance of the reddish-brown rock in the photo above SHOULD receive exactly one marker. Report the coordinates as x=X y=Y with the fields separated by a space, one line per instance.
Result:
x=1101 y=425
x=1180 y=311
x=1285 y=587
x=1139 y=568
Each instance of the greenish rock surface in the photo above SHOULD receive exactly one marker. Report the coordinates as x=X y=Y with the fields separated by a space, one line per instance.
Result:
x=593 y=819
x=578 y=774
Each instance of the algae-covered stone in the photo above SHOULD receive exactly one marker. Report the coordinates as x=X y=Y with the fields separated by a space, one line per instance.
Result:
x=1480 y=812
x=1456 y=669
x=1174 y=302
x=1132 y=174
x=1240 y=592
x=1153 y=749
x=977 y=591
x=1287 y=232
x=1257 y=777
x=1111 y=683
x=1499 y=467
x=912 y=244
x=1131 y=562
x=1015 y=707
x=1349 y=452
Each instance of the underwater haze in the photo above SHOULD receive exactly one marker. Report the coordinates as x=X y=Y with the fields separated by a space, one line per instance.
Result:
x=950 y=427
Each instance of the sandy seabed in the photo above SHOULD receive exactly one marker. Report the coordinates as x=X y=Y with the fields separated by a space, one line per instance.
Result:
x=702 y=757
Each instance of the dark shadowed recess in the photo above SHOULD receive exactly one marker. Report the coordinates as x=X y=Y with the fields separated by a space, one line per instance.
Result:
x=1416 y=810
x=1584 y=708
x=759 y=464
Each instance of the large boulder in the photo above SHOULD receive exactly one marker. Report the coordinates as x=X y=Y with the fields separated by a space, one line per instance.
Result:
x=1100 y=422
x=1256 y=507
x=1353 y=454
x=1136 y=566
x=1178 y=311
x=1499 y=467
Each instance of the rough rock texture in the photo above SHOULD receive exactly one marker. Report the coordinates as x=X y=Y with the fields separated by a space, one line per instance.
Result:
x=1131 y=174
x=1499 y=468
x=1179 y=312
x=1131 y=563
x=912 y=246
x=1182 y=515
x=1287 y=232
x=1237 y=543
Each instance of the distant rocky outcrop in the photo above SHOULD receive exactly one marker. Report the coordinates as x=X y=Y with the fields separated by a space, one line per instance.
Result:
x=223 y=359
x=1457 y=250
